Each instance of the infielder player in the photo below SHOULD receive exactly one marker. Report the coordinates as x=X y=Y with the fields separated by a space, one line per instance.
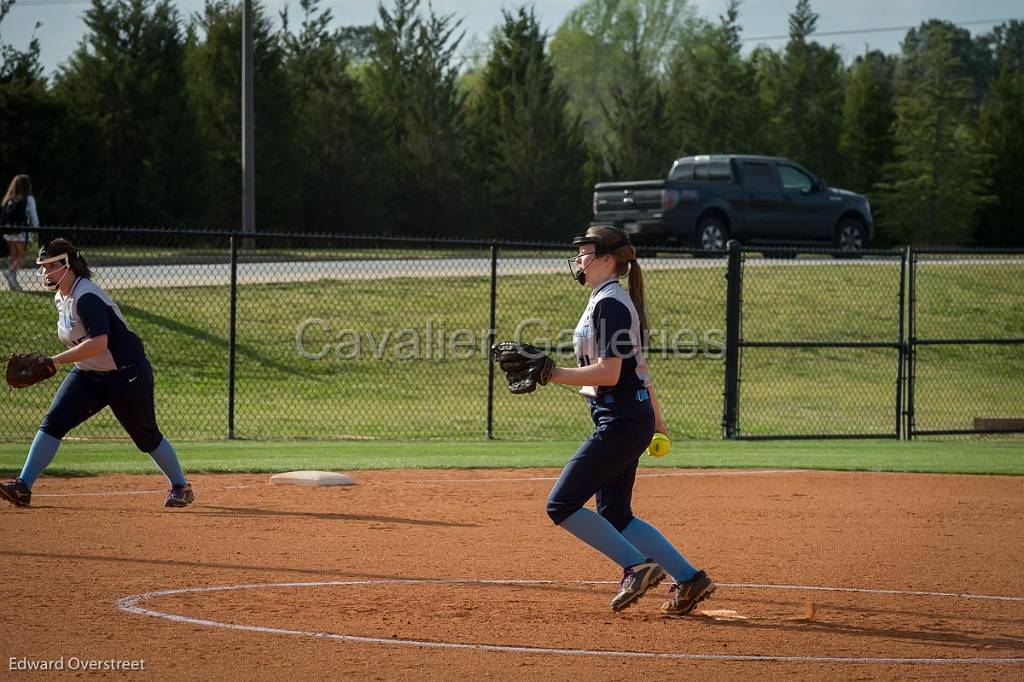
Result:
x=613 y=375
x=110 y=369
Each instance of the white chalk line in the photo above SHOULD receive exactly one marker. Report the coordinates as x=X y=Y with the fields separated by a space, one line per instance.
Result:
x=752 y=472
x=514 y=479
x=121 y=493
x=130 y=604
x=867 y=590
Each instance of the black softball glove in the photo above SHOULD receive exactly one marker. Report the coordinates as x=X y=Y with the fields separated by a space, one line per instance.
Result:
x=524 y=365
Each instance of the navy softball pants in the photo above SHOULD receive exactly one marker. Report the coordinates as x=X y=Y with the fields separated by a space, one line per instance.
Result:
x=605 y=464
x=128 y=392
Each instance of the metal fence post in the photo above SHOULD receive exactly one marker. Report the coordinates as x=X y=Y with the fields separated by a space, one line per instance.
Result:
x=491 y=332
x=233 y=289
x=733 y=303
x=901 y=362
x=911 y=341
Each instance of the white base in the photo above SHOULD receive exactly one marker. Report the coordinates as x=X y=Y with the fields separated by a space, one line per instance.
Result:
x=311 y=478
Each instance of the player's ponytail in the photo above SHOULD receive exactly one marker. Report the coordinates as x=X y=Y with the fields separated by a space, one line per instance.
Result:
x=615 y=242
x=637 y=294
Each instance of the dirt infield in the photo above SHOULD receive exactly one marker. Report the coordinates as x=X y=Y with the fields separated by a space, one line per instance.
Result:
x=459 y=574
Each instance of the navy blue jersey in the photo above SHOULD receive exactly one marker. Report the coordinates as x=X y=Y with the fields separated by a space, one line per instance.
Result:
x=88 y=312
x=610 y=327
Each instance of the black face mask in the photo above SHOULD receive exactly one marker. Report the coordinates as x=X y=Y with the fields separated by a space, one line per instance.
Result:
x=579 y=275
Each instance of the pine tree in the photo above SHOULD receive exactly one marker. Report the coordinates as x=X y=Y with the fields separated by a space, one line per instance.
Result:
x=639 y=143
x=806 y=114
x=411 y=87
x=935 y=183
x=215 y=92
x=33 y=124
x=125 y=84
x=529 y=151
x=865 y=142
x=709 y=91
x=340 y=174
x=1001 y=131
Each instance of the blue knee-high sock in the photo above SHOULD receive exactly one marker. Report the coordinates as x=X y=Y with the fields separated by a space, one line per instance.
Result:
x=43 y=450
x=651 y=542
x=167 y=459
x=602 y=536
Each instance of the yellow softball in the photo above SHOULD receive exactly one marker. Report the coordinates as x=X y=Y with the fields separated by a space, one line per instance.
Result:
x=660 y=445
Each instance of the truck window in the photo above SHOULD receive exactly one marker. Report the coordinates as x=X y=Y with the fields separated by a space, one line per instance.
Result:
x=795 y=179
x=759 y=176
x=700 y=170
x=719 y=170
x=683 y=170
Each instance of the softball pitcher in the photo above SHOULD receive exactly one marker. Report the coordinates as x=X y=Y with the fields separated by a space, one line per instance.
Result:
x=110 y=369
x=613 y=375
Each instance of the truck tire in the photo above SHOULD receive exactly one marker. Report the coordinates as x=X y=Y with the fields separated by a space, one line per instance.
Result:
x=710 y=237
x=850 y=237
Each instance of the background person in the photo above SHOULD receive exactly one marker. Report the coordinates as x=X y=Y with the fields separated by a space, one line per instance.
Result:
x=17 y=209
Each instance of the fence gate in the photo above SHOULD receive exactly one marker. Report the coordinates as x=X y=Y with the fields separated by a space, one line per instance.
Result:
x=814 y=344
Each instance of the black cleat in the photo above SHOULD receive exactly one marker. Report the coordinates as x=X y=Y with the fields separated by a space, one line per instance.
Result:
x=683 y=597
x=16 y=492
x=180 y=496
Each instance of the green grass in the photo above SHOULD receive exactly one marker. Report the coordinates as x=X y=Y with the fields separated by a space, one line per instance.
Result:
x=281 y=395
x=93 y=458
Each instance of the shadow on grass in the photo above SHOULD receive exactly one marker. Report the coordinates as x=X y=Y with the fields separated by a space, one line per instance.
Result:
x=206 y=337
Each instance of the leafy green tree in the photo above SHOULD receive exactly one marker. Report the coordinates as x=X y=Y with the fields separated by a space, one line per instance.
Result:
x=125 y=84
x=356 y=41
x=411 y=87
x=215 y=91
x=340 y=172
x=935 y=183
x=31 y=121
x=865 y=142
x=639 y=142
x=591 y=49
x=1001 y=130
x=768 y=82
x=709 y=92
x=529 y=150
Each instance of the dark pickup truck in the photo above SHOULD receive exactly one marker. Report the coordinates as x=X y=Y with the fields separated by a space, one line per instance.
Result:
x=757 y=200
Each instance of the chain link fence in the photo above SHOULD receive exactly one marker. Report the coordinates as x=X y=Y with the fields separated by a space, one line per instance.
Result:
x=820 y=350
x=330 y=337
x=327 y=337
x=966 y=342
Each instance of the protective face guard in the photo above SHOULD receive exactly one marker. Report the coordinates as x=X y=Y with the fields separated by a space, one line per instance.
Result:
x=41 y=272
x=599 y=250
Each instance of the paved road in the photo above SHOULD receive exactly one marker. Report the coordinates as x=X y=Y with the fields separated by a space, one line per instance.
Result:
x=162 y=276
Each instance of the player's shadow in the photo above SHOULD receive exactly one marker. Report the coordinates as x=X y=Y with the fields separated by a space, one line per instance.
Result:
x=333 y=572
x=795 y=606
x=968 y=640
x=255 y=512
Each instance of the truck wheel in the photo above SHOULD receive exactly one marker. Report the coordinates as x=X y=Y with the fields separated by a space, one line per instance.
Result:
x=711 y=237
x=850 y=238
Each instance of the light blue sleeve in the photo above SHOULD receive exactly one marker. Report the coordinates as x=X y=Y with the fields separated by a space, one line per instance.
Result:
x=30 y=211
